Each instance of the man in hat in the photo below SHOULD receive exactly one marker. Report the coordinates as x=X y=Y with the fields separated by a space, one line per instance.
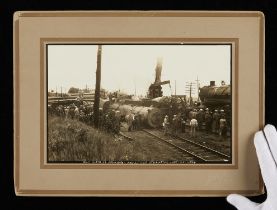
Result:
x=222 y=113
x=130 y=120
x=166 y=125
x=71 y=111
x=193 y=126
x=135 y=122
x=183 y=122
x=175 y=125
x=222 y=128
x=200 y=118
x=76 y=113
x=215 y=124
x=208 y=121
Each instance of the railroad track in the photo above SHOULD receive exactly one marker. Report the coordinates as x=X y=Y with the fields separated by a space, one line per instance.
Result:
x=142 y=135
x=126 y=136
x=200 y=152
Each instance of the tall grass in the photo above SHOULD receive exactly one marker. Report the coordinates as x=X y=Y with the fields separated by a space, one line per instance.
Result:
x=74 y=141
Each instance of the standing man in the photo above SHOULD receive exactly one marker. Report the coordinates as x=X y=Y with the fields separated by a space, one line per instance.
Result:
x=139 y=122
x=66 y=111
x=208 y=121
x=76 y=113
x=215 y=124
x=130 y=119
x=166 y=125
x=223 y=128
x=183 y=122
x=200 y=118
x=222 y=113
x=174 y=125
x=193 y=126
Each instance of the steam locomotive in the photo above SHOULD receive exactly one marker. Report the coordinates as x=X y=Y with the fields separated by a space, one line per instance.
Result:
x=216 y=96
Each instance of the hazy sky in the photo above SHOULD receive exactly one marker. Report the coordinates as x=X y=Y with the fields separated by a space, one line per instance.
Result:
x=125 y=67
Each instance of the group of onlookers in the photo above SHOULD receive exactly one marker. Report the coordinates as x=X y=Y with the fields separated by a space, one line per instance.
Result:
x=215 y=121
x=109 y=120
x=196 y=120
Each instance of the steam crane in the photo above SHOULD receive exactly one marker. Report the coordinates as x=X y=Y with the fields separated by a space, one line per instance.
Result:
x=155 y=89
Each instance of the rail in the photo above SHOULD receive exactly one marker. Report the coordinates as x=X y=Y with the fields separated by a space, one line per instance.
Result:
x=192 y=153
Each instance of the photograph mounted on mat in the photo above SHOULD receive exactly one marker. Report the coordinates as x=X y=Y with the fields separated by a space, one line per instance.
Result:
x=141 y=118
x=140 y=111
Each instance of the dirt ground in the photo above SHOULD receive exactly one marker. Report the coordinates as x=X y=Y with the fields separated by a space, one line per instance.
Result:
x=74 y=141
x=211 y=140
x=148 y=148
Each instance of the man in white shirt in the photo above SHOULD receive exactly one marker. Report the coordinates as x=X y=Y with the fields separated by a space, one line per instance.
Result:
x=166 y=125
x=193 y=125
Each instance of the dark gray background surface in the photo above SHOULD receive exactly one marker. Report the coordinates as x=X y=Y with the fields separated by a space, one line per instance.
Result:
x=7 y=8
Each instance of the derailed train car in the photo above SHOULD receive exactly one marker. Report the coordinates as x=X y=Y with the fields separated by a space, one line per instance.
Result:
x=149 y=115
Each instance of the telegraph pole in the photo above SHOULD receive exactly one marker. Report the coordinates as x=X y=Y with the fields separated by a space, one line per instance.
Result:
x=190 y=89
x=197 y=80
x=190 y=99
x=135 y=87
x=175 y=87
x=97 y=87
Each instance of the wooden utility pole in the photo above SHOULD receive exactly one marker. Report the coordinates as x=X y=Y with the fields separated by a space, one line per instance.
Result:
x=190 y=98
x=190 y=89
x=198 y=87
x=135 y=89
x=97 y=88
x=175 y=87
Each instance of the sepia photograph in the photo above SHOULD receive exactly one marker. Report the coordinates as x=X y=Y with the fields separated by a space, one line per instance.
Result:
x=139 y=103
x=140 y=110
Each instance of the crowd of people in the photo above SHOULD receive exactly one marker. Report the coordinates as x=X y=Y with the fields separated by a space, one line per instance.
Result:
x=216 y=121
x=82 y=112
x=191 y=120
x=109 y=120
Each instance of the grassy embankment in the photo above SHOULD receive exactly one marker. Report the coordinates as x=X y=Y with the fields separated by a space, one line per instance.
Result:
x=72 y=141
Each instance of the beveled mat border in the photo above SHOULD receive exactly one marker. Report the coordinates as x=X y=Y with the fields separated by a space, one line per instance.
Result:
x=140 y=193
x=234 y=42
x=136 y=13
x=19 y=191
